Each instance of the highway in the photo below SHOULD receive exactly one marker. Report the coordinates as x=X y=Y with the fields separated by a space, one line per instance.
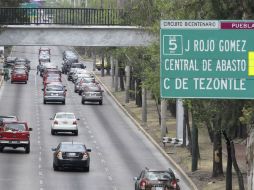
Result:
x=119 y=150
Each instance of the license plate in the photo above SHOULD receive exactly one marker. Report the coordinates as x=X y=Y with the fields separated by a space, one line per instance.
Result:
x=65 y=122
x=14 y=142
x=71 y=154
x=158 y=188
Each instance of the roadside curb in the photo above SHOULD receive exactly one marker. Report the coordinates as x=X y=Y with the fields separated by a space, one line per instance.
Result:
x=1 y=81
x=182 y=173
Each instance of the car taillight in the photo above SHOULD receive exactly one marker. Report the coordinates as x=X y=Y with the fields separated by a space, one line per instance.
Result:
x=173 y=183
x=74 y=122
x=85 y=156
x=56 y=122
x=59 y=155
x=143 y=184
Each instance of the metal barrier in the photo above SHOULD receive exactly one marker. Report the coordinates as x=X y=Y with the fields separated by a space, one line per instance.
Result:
x=173 y=141
x=63 y=16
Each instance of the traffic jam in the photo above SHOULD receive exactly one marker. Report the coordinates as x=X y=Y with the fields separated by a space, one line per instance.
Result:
x=54 y=85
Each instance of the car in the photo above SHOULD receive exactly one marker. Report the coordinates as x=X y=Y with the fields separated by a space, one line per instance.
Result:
x=73 y=68
x=44 y=50
x=46 y=67
x=23 y=61
x=79 y=83
x=64 y=122
x=92 y=93
x=7 y=118
x=19 y=75
x=51 y=79
x=71 y=155
x=156 y=179
x=44 y=57
x=54 y=92
x=9 y=62
x=15 y=134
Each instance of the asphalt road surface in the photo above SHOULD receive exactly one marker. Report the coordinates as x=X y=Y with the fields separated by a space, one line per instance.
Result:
x=119 y=150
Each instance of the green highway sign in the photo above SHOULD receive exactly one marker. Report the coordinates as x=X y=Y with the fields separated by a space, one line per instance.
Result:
x=207 y=59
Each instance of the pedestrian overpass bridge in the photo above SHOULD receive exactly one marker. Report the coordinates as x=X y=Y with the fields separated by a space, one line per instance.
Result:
x=70 y=27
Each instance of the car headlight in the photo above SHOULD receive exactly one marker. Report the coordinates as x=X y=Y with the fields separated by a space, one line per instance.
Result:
x=59 y=155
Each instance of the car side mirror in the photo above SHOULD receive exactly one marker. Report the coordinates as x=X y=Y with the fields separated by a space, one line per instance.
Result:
x=89 y=150
x=53 y=149
x=78 y=119
x=177 y=180
x=30 y=129
x=42 y=89
x=135 y=178
x=65 y=90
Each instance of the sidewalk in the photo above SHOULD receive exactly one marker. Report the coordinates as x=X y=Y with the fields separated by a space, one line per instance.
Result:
x=202 y=177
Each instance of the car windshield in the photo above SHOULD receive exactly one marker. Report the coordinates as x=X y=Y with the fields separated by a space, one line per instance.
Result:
x=72 y=148
x=65 y=115
x=15 y=127
x=54 y=88
x=20 y=71
x=158 y=175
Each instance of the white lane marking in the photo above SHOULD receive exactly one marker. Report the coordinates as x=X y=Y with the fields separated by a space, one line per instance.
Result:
x=94 y=142
x=39 y=166
x=39 y=142
x=39 y=159
x=41 y=182
x=41 y=188
x=103 y=161
x=92 y=136
x=106 y=170
x=97 y=147
x=110 y=178
x=40 y=173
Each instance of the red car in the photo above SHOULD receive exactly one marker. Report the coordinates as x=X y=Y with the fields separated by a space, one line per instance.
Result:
x=15 y=134
x=156 y=179
x=51 y=79
x=19 y=75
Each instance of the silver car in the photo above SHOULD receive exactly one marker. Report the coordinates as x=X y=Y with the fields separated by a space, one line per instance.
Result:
x=92 y=93
x=54 y=92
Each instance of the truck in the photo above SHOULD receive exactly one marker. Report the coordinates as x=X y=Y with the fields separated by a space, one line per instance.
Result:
x=15 y=134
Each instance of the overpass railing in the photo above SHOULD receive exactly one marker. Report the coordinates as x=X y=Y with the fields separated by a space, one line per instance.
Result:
x=64 y=16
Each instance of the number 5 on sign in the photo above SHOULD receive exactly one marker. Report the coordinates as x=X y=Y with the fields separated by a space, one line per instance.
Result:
x=172 y=45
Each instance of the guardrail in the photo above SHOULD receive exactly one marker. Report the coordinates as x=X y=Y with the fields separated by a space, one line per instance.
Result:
x=63 y=16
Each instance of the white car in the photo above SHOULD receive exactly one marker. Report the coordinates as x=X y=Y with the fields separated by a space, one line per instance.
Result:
x=64 y=122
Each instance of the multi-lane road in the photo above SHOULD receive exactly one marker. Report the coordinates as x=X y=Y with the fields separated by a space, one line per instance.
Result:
x=119 y=150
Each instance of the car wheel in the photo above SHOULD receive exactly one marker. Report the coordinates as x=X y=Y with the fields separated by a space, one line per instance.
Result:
x=87 y=169
x=1 y=148
x=26 y=82
x=27 y=149
x=44 y=102
x=76 y=133
x=55 y=167
x=53 y=132
x=63 y=102
x=83 y=102
x=100 y=102
x=79 y=93
x=11 y=81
